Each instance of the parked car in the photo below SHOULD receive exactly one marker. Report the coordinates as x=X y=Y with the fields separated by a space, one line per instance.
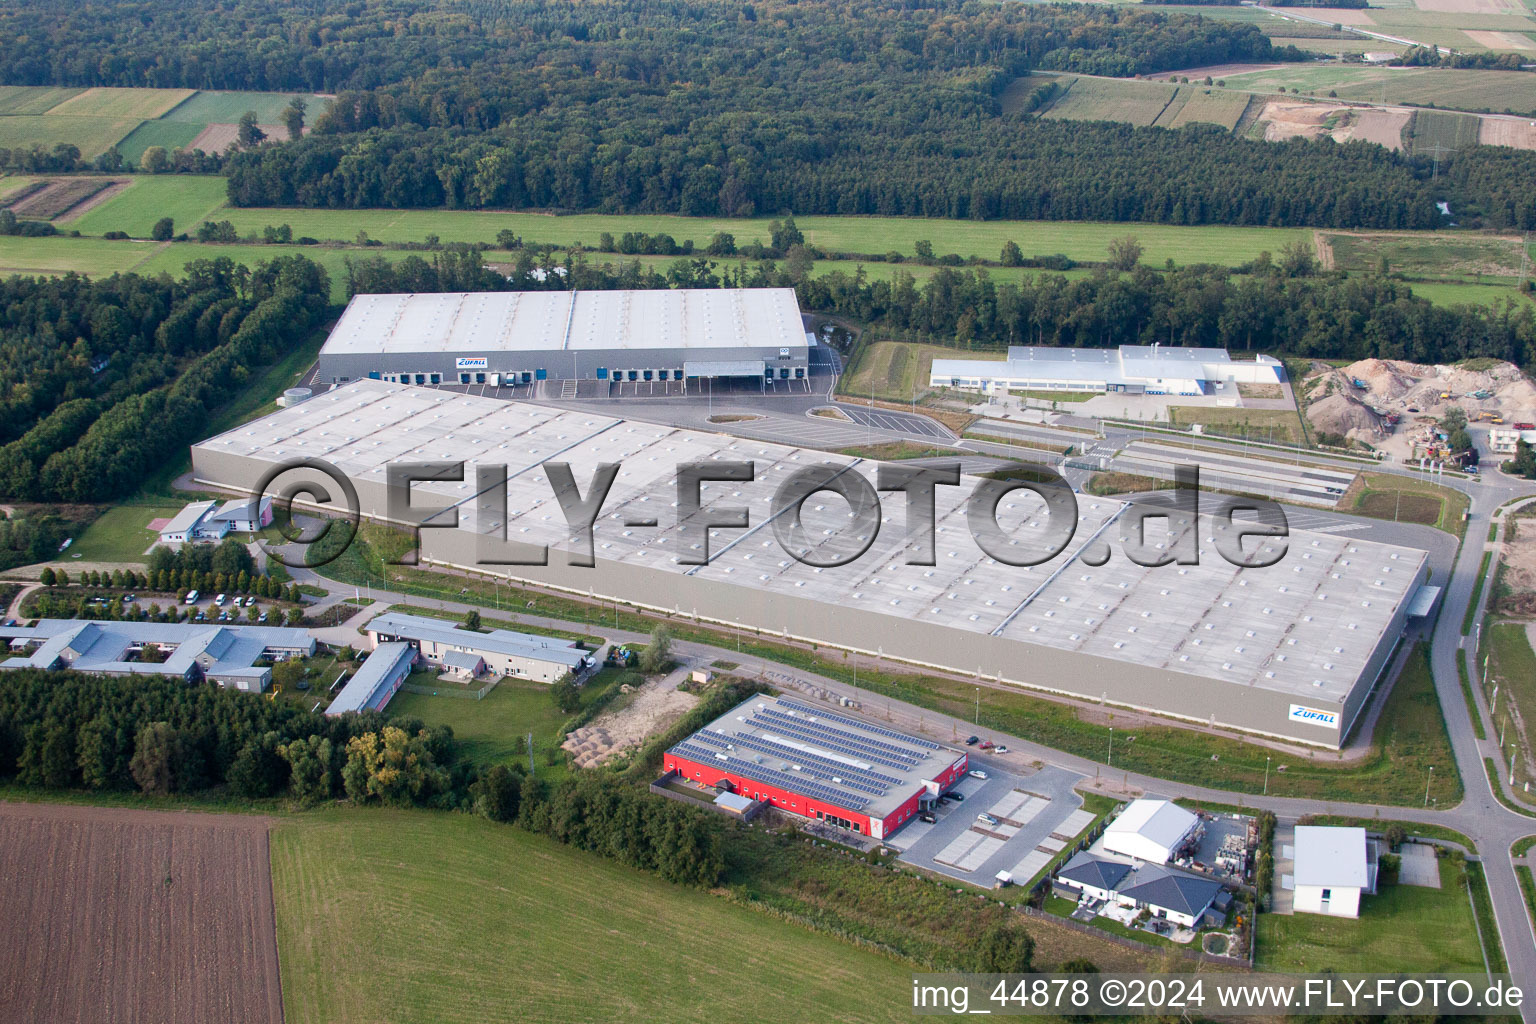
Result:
x=987 y=744
x=925 y=816
x=191 y=597
x=1000 y=749
x=973 y=741
x=263 y=617
x=220 y=600
x=986 y=819
x=127 y=599
x=954 y=795
x=977 y=773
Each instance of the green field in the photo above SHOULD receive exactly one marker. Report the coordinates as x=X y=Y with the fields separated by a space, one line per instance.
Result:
x=1410 y=927
x=93 y=135
x=1198 y=104
x=1453 y=294
x=62 y=255
x=33 y=99
x=417 y=916
x=120 y=535
x=1456 y=88
x=1512 y=667
x=1411 y=499
x=1429 y=254
x=898 y=370
x=1442 y=131
x=226 y=107
x=495 y=730
x=186 y=199
x=1280 y=425
x=139 y=104
x=1103 y=99
x=160 y=132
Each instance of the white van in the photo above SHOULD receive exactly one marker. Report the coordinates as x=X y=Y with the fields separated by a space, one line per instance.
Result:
x=191 y=597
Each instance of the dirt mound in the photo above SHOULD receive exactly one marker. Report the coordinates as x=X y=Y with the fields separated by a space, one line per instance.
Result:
x=650 y=709
x=1345 y=415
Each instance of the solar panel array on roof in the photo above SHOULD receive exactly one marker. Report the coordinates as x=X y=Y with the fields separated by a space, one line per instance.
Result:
x=816 y=767
x=844 y=736
x=808 y=733
x=914 y=741
x=772 y=777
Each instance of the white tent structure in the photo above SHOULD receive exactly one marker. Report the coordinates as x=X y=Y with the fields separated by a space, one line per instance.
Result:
x=1149 y=830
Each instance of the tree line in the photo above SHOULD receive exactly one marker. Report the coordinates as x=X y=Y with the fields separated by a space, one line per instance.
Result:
x=101 y=381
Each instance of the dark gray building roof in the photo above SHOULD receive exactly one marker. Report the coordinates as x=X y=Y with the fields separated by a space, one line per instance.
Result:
x=1086 y=869
x=1175 y=891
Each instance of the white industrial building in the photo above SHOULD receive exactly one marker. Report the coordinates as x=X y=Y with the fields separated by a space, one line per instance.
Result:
x=544 y=659
x=1332 y=867
x=1129 y=369
x=1289 y=650
x=515 y=338
x=1150 y=830
x=195 y=522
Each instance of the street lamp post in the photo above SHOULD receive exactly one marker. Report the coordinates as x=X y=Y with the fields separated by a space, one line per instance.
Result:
x=978 y=705
x=1427 y=782
x=1110 y=760
x=1266 y=773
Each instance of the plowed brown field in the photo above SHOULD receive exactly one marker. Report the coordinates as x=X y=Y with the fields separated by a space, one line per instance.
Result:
x=148 y=917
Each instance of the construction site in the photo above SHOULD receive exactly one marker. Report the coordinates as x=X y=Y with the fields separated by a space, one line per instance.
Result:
x=1395 y=407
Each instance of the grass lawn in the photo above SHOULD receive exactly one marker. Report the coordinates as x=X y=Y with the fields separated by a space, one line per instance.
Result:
x=1409 y=499
x=898 y=370
x=495 y=730
x=1450 y=293
x=1512 y=668
x=1281 y=425
x=56 y=255
x=1105 y=99
x=1410 y=927
x=186 y=199
x=414 y=916
x=120 y=535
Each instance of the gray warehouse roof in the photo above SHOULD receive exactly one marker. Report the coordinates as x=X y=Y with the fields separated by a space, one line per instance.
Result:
x=364 y=690
x=677 y=318
x=786 y=743
x=1306 y=626
x=90 y=645
x=497 y=641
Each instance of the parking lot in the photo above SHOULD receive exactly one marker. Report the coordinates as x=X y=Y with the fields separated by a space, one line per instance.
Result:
x=1034 y=818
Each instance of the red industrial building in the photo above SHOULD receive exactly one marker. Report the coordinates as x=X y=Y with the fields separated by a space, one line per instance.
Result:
x=825 y=765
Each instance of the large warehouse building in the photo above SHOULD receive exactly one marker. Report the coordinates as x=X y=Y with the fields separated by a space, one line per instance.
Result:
x=1290 y=650
x=510 y=338
x=819 y=764
x=1129 y=369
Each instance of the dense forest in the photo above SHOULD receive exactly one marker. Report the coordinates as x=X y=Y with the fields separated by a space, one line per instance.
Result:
x=715 y=108
x=103 y=380
x=1285 y=304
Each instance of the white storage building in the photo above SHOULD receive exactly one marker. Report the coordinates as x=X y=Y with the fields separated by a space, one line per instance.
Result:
x=1130 y=369
x=1149 y=830
x=1332 y=867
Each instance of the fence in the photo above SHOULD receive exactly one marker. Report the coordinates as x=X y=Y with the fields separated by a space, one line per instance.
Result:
x=450 y=690
x=1141 y=947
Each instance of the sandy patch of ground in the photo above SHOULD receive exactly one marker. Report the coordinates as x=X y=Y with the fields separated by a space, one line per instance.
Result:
x=1519 y=556
x=1518 y=132
x=1287 y=119
x=1382 y=126
x=1500 y=40
x=216 y=138
x=640 y=715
